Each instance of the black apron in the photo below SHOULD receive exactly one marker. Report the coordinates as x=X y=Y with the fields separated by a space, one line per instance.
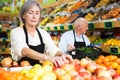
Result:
x=39 y=48
x=77 y=44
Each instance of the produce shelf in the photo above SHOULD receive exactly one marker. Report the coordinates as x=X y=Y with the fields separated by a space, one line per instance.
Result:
x=92 y=25
x=5 y=51
x=4 y=40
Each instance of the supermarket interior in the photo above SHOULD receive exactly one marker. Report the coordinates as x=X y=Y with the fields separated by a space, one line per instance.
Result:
x=98 y=61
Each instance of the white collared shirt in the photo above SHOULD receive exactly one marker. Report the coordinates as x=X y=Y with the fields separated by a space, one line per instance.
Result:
x=18 y=41
x=68 y=38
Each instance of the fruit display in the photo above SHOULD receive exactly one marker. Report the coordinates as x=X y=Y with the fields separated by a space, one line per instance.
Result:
x=92 y=10
x=62 y=14
x=112 y=42
x=9 y=62
x=84 y=69
x=102 y=3
x=113 y=13
x=110 y=61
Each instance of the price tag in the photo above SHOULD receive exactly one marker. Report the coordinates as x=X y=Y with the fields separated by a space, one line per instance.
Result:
x=55 y=28
x=113 y=50
x=70 y=26
x=41 y=27
x=48 y=28
x=3 y=49
x=91 y=26
x=4 y=40
x=108 y=24
x=61 y=27
x=7 y=30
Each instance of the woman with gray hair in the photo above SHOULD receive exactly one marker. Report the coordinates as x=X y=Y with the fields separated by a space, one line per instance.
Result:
x=75 y=38
x=30 y=42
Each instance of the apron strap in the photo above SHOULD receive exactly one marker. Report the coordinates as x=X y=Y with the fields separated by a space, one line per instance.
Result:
x=75 y=37
x=26 y=35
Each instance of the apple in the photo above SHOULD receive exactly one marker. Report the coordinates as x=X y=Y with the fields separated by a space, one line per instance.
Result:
x=75 y=62
x=32 y=76
x=84 y=62
x=116 y=76
x=37 y=66
x=15 y=64
x=98 y=70
x=104 y=78
x=111 y=71
x=79 y=68
x=48 y=63
x=68 y=67
x=59 y=72
x=104 y=73
x=48 y=76
x=93 y=77
x=91 y=67
x=86 y=75
x=37 y=71
x=47 y=68
x=24 y=71
x=77 y=77
x=73 y=73
x=64 y=77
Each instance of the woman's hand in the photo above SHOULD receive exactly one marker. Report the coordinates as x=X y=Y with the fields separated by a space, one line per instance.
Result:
x=60 y=60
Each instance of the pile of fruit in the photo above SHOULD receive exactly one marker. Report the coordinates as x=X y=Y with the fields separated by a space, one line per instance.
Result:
x=9 y=62
x=112 y=42
x=84 y=69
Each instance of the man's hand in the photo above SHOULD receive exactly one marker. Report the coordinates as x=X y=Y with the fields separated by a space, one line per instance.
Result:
x=70 y=47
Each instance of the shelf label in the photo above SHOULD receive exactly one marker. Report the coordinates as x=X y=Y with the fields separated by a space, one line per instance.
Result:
x=114 y=50
x=108 y=24
x=61 y=27
x=70 y=26
x=55 y=28
x=91 y=26
x=7 y=30
x=41 y=27
x=48 y=1
x=4 y=40
x=48 y=28
x=3 y=49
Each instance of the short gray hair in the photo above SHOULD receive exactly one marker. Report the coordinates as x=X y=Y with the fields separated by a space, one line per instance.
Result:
x=26 y=7
x=79 y=21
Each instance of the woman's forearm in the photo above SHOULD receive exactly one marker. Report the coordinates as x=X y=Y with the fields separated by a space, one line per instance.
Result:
x=34 y=54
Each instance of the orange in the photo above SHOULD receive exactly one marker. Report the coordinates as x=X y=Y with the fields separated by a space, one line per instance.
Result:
x=107 y=64
x=101 y=57
x=113 y=57
x=114 y=64
x=118 y=61
x=105 y=60
x=118 y=69
x=98 y=61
